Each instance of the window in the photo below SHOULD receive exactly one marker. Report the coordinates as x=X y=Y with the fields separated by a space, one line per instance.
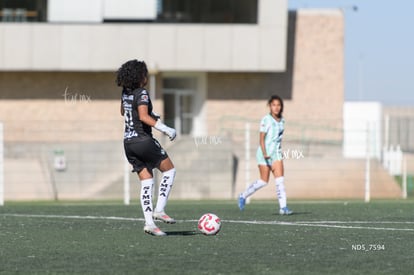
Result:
x=178 y=95
x=208 y=11
x=166 y=11
x=23 y=10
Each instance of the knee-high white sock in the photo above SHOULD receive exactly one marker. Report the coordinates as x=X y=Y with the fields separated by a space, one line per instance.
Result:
x=166 y=184
x=253 y=188
x=146 y=200
x=281 y=193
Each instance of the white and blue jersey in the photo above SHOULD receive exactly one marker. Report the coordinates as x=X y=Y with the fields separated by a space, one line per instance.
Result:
x=273 y=130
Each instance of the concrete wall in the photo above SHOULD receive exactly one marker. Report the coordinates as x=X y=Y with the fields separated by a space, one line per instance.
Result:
x=168 y=47
x=59 y=85
x=312 y=86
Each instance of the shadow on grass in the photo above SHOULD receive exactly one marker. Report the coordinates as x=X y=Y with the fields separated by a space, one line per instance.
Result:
x=293 y=214
x=182 y=233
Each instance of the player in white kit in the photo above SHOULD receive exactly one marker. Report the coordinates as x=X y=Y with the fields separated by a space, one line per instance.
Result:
x=269 y=155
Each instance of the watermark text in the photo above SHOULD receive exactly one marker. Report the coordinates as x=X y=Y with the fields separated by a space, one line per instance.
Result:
x=75 y=97
x=207 y=140
x=292 y=154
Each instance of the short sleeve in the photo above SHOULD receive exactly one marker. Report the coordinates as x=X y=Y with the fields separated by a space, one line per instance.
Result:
x=143 y=98
x=264 y=125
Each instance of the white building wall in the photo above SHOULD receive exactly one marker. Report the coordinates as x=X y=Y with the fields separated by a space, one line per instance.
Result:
x=130 y=9
x=75 y=11
x=170 y=47
x=96 y=11
x=362 y=129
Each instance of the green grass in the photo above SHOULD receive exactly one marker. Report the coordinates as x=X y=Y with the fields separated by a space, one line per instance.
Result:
x=321 y=238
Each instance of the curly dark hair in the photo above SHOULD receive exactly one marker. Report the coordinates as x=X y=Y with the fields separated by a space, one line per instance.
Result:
x=132 y=74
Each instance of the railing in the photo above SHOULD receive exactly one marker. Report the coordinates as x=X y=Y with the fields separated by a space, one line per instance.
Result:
x=80 y=158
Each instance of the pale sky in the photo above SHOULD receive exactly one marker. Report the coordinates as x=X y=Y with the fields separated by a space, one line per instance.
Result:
x=379 y=48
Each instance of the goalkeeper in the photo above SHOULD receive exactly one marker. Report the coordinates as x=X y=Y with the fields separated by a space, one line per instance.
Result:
x=144 y=152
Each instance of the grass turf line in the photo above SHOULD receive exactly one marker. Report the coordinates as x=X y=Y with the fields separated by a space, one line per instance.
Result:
x=39 y=245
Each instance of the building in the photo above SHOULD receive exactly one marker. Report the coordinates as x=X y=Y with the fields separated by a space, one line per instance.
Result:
x=213 y=66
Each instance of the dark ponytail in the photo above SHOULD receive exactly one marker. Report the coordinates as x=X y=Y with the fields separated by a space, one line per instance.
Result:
x=278 y=98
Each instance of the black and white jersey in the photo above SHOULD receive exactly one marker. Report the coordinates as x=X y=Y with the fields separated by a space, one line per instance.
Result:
x=135 y=129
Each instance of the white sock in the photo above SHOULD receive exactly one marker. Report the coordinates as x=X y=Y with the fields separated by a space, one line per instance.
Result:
x=281 y=193
x=165 y=188
x=253 y=188
x=146 y=200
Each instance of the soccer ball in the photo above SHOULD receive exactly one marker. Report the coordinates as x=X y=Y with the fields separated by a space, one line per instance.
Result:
x=209 y=224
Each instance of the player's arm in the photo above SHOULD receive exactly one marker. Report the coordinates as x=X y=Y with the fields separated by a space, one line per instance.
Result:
x=122 y=110
x=144 y=116
x=157 y=124
x=262 y=144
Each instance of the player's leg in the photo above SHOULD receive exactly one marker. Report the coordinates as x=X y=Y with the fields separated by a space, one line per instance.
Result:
x=147 y=183
x=168 y=174
x=259 y=183
x=264 y=171
x=278 y=172
x=136 y=154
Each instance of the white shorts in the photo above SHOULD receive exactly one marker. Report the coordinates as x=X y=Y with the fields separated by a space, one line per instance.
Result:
x=273 y=157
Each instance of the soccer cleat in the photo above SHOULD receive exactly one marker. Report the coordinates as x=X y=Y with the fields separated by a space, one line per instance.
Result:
x=242 y=202
x=153 y=230
x=285 y=211
x=161 y=216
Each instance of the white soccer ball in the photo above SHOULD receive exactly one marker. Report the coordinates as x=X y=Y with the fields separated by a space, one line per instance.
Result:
x=209 y=224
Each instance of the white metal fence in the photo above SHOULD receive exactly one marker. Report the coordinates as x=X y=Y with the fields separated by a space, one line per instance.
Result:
x=96 y=169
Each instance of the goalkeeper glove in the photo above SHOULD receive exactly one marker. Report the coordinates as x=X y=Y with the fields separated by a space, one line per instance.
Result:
x=170 y=132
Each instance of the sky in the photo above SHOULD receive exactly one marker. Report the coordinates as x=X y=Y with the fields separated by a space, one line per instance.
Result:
x=379 y=48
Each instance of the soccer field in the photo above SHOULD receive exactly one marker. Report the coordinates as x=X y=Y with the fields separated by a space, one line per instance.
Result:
x=107 y=238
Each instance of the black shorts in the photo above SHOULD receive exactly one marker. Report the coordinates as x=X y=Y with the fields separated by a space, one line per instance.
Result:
x=146 y=153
